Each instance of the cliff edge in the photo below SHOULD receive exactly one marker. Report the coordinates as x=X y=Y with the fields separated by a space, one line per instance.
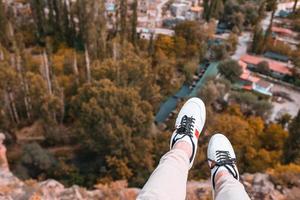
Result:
x=258 y=185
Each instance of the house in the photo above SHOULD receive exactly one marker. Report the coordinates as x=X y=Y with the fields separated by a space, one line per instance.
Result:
x=286 y=35
x=146 y=33
x=283 y=14
x=143 y=6
x=180 y=8
x=253 y=83
x=283 y=32
x=194 y=13
x=277 y=69
x=276 y=56
x=263 y=87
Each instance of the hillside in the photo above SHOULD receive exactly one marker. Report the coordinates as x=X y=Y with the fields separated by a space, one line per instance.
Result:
x=90 y=91
x=258 y=185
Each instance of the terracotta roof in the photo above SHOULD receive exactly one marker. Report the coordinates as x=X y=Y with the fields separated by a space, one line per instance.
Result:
x=196 y=9
x=282 y=30
x=243 y=64
x=274 y=65
x=247 y=87
x=246 y=75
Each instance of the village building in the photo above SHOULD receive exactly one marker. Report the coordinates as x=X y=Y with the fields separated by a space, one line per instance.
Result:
x=277 y=69
x=250 y=82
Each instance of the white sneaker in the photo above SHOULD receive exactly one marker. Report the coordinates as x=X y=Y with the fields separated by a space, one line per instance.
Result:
x=221 y=157
x=189 y=124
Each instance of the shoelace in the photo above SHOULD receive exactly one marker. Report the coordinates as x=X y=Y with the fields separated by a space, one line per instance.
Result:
x=224 y=158
x=186 y=126
x=186 y=129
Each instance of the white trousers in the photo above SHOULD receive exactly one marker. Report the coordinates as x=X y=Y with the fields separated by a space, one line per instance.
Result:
x=168 y=181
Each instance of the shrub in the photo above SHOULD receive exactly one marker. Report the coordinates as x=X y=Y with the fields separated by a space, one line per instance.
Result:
x=286 y=175
x=230 y=69
x=263 y=67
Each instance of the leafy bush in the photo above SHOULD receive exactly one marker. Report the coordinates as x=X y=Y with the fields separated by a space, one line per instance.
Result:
x=230 y=69
x=35 y=162
x=286 y=175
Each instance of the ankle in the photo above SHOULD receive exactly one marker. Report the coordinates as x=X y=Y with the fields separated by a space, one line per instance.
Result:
x=184 y=146
x=220 y=174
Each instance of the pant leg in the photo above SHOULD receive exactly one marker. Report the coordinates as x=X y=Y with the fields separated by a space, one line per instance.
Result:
x=168 y=181
x=230 y=188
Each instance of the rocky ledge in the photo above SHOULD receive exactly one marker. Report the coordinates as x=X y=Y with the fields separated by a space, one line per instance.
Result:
x=258 y=185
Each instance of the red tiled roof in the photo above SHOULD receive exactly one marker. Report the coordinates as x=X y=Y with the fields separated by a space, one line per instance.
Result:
x=196 y=9
x=246 y=75
x=243 y=64
x=274 y=65
x=282 y=30
x=247 y=87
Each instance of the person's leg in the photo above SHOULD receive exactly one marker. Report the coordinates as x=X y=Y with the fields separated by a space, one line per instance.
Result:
x=224 y=173
x=227 y=187
x=168 y=181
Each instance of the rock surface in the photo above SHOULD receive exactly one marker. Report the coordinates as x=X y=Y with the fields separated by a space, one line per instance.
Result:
x=259 y=186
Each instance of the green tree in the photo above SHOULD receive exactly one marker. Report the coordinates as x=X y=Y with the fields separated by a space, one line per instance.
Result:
x=38 y=8
x=291 y=151
x=134 y=22
x=123 y=20
x=190 y=37
x=295 y=5
x=258 y=40
x=219 y=52
x=213 y=9
x=35 y=162
x=251 y=14
x=274 y=137
x=271 y=5
x=232 y=42
x=111 y=116
x=263 y=67
x=3 y=25
x=230 y=69
x=284 y=120
x=251 y=105
x=214 y=90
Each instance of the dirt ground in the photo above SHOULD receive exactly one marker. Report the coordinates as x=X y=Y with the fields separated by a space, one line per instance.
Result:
x=291 y=107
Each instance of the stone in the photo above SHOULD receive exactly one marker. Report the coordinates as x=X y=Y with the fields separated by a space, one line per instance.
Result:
x=3 y=158
x=259 y=187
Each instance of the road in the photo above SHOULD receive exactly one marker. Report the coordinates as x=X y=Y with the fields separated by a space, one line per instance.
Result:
x=290 y=107
x=244 y=39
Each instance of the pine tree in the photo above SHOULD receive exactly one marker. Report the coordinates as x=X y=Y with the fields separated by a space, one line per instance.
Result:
x=123 y=20
x=258 y=40
x=134 y=23
x=213 y=8
x=3 y=24
x=292 y=146
x=295 y=5
x=270 y=6
x=38 y=13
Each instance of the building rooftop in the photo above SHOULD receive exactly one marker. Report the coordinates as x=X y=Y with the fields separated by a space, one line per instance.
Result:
x=276 y=56
x=263 y=83
x=284 y=31
x=274 y=65
x=246 y=75
x=196 y=9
